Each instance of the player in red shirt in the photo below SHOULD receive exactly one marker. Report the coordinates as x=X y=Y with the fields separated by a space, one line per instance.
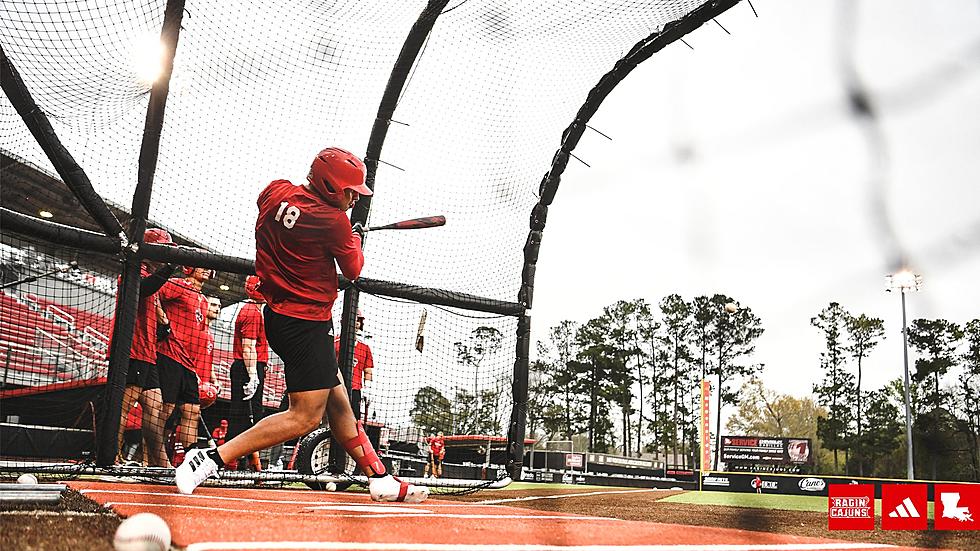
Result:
x=205 y=352
x=220 y=433
x=301 y=233
x=186 y=310
x=251 y=352
x=437 y=452
x=142 y=377
x=363 y=368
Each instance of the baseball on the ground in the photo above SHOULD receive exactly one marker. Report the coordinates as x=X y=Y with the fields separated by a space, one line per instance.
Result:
x=142 y=532
x=731 y=307
x=27 y=478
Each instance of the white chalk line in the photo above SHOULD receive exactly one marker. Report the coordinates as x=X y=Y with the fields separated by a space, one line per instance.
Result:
x=372 y=508
x=559 y=496
x=46 y=513
x=259 y=500
x=308 y=510
x=358 y=546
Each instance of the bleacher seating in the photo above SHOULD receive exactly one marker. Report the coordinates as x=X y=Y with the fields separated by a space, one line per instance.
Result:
x=30 y=324
x=37 y=350
x=80 y=319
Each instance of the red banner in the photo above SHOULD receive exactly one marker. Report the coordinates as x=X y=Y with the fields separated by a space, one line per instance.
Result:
x=705 y=425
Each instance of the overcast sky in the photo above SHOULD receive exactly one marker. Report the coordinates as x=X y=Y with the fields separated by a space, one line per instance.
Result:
x=736 y=168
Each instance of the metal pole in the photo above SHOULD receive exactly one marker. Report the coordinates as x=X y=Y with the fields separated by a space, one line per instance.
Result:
x=908 y=408
x=127 y=297
x=518 y=416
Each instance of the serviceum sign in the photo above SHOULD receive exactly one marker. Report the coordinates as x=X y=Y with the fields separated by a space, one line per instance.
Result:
x=764 y=450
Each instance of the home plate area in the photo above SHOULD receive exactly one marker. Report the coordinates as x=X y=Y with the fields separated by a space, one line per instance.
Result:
x=234 y=518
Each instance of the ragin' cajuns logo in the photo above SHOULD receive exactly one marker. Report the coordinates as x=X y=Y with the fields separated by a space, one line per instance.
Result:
x=850 y=507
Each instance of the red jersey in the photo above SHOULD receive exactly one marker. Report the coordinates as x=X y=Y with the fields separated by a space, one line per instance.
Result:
x=298 y=237
x=205 y=357
x=219 y=434
x=437 y=446
x=249 y=324
x=363 y=359
x=134 y=421
x=144 y=346
x=186 y=309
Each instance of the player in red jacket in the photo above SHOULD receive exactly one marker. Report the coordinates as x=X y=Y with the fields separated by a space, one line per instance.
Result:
x=204 y=354
x=220 y=432
x=301 y=235
x=437 y=452
x=142 y=377
x=186 y=311
x=363 y=368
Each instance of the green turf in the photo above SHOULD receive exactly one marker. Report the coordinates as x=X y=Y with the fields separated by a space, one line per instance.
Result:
x=762 y=501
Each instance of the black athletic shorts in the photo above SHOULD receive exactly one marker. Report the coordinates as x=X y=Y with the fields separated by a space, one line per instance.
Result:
x=178 y=385
x=142 y=374
x=306 y=349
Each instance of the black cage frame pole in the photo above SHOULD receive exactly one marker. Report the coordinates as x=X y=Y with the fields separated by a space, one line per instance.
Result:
x=407 y=57
x=200 y=258
x=69 y=170
x=518 y=416
x=640 y=52
x=53 y=232
x=128 y=297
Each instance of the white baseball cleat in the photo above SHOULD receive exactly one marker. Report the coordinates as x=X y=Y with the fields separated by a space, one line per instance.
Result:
x=389 y=488
x=195 y=469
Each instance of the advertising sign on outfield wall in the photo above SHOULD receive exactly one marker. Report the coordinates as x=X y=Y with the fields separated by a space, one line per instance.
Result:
x=574 y=460
x=764 y=450
x=812 y=485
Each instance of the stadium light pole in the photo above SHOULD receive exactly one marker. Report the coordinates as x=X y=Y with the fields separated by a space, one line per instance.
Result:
x=905 y=281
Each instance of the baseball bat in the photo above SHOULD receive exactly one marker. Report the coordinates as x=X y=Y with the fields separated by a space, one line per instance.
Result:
x=413 y=224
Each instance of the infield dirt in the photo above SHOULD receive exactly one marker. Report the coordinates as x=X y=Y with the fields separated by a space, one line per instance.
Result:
x=79 y=523
x=646 y=506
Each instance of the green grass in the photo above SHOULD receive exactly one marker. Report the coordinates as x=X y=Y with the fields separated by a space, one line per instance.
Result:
x=762 y=501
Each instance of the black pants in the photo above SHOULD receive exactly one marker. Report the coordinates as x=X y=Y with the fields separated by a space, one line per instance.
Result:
x=355 y=404
x=243 y=414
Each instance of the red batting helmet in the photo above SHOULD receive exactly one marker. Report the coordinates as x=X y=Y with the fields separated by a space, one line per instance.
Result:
x=157 y=235
x=334 y=170
x=252 y=284
x=208 y=393
x=189 y=271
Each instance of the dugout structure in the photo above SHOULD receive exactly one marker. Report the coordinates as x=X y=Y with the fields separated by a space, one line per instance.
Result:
x=118 y=116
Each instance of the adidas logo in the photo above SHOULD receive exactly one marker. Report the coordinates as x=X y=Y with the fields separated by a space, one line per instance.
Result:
x=199 y=458
x=905 y=509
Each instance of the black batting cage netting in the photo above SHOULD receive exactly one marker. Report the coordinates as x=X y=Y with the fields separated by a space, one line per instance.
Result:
x=136 y=137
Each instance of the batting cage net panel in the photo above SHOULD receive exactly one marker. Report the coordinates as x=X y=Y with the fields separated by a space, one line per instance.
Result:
x=480 y=94
x=55 y=325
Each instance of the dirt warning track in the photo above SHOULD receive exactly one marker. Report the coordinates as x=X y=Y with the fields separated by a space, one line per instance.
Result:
x=223 y=518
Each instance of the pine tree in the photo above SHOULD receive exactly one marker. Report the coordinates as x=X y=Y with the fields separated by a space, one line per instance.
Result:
x=621 y=337
x=885 y=442
x=646 y=333
x=970 y=391
x=864 y=333
x=837 y=388
x=936 y=342
x=677 y=325
x=596 y=367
